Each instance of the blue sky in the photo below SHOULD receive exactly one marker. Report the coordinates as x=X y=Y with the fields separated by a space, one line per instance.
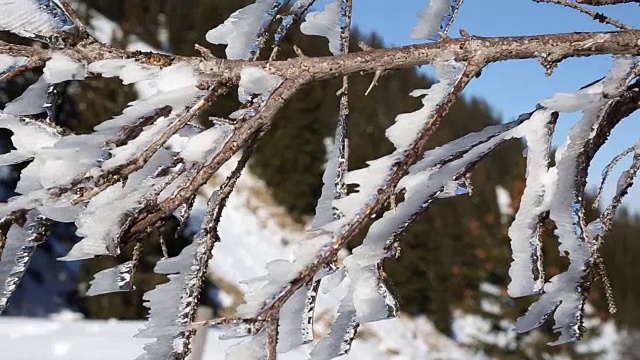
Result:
x=515 y=87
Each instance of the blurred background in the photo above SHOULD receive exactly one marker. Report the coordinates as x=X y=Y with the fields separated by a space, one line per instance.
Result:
x=454 y=260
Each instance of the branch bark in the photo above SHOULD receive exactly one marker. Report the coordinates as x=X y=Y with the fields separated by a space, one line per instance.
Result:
x=554 y=48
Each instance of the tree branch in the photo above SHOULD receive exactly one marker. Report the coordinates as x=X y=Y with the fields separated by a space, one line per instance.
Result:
x=594 y=14
x=480 y=51
x=605 y=2
x=553 y=48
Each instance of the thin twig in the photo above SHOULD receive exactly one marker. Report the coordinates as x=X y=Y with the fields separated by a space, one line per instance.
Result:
x=82 y=29
x=454 y=12
x=607 y=171
x=605 y=2
x=594 y=14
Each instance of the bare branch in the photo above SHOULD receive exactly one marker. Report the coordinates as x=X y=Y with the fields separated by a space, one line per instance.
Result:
x=594 y=14
x=605 y=2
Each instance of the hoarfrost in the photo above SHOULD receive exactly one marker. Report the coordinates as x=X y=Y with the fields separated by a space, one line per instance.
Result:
x=207 y=143
x=164 y=303
x=326 y=23
x=33 y=17
x=20 y=247
x=8 y=63
x=526 y=271
x=407 y=126
x=255 y=348
x=31 y=101
x=114 y=279
x=343 y=332
x=256 y=81
x=62 y=68
x=564 y=293
x=279 y=273
x=426 y=179
x=292 y=319
x=431 y=18
x=29 y=138
x=241 y=29
x=128 y=70
x=504 y=201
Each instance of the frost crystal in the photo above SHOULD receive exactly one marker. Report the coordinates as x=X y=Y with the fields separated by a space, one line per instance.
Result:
x=255 y=348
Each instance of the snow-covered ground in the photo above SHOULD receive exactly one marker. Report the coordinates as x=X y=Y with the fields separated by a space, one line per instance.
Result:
x=46 y=339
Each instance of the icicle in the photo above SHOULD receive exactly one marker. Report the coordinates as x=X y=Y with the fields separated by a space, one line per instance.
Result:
x=33 y=17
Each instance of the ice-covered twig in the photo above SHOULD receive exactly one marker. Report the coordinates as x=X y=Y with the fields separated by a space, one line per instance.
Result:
x=92 y=186
x=294 y=15
x=607 y=171
x=455 y=7
x=21 y=245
